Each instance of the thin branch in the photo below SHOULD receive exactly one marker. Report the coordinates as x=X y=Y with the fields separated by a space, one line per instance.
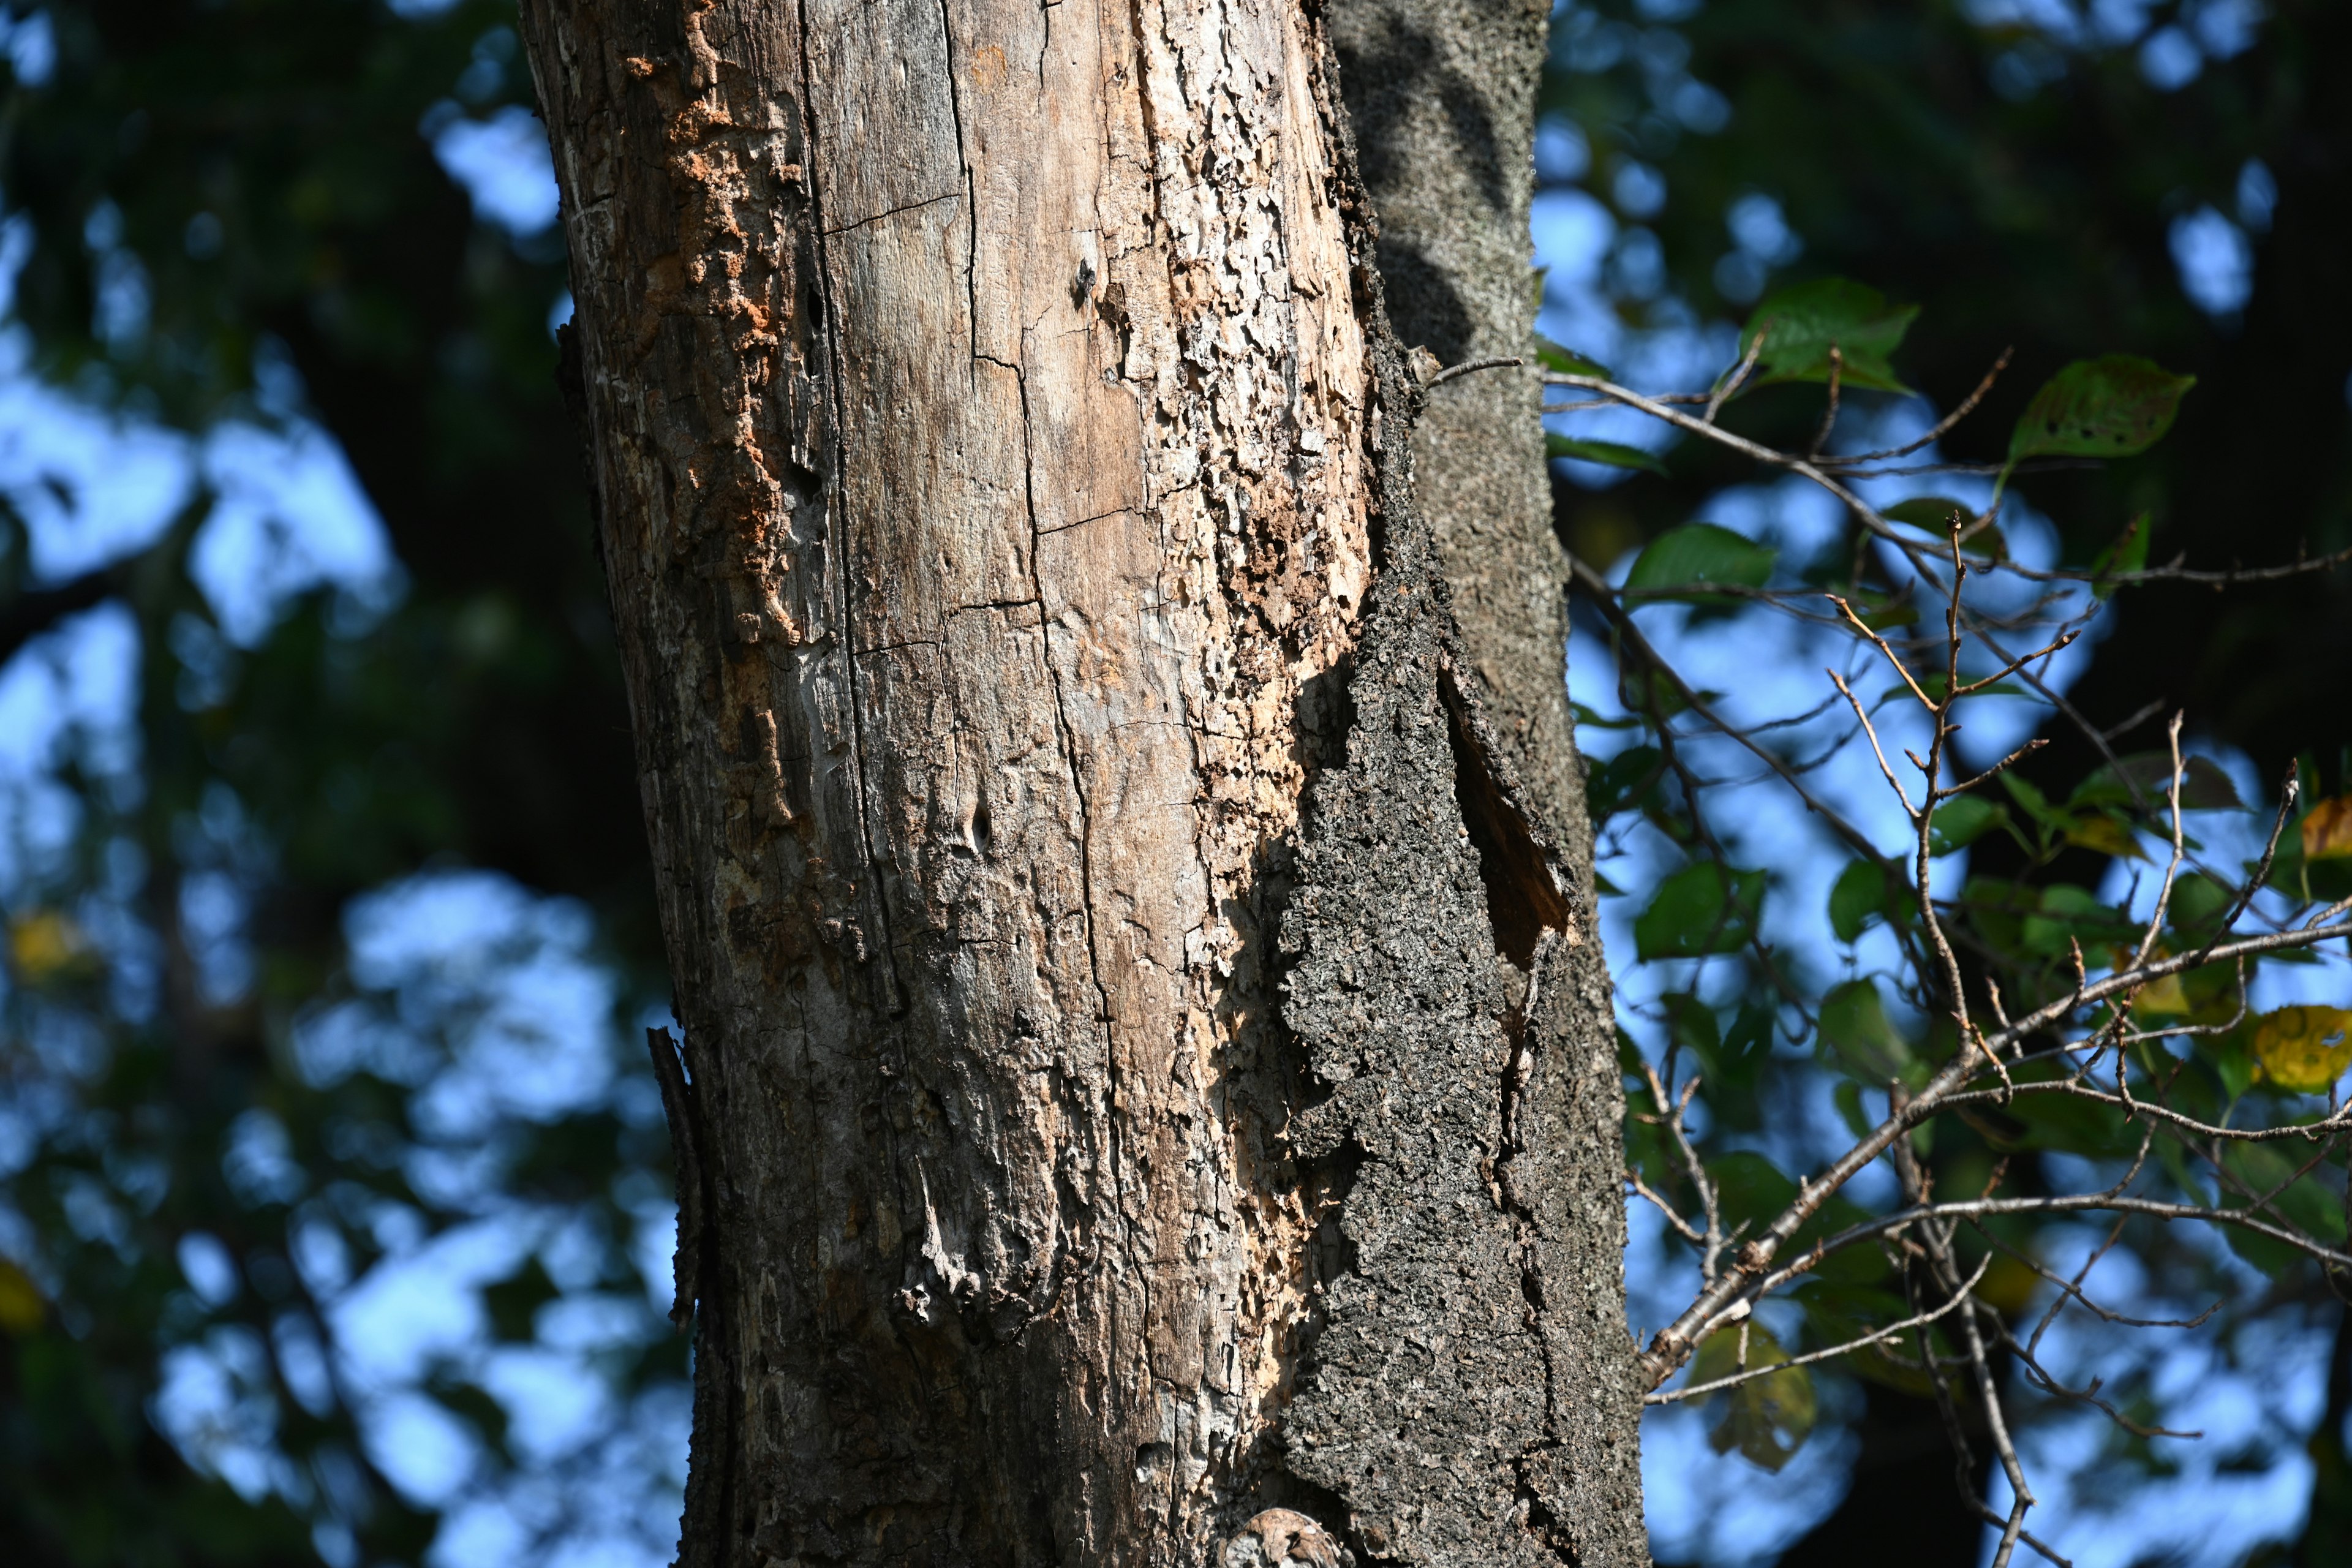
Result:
x=1699 y=1390
x=1467 y=366
x=1942 y=427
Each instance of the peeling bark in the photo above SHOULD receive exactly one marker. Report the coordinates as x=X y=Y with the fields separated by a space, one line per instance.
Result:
x=998 y=440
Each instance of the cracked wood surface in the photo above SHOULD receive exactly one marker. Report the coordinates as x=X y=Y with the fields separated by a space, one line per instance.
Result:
x=986 y=408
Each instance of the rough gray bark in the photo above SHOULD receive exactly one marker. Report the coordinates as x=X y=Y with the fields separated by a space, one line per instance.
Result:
x=1442 y=96
x=987 y=408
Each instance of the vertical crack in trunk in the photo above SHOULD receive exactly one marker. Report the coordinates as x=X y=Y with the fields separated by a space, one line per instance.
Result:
x=1523 y=898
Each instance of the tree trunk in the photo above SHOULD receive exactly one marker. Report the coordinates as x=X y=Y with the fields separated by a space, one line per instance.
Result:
x=1145 y=1100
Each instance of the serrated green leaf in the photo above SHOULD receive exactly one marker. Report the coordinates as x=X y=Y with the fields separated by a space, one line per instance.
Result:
x=1615 y=454
x=1700 y=553
x=2114 y=406
x=1699 y=910
x=1808 y=320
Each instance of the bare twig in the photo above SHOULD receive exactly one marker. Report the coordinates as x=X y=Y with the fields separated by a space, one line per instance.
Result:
x=1467 y=366
x=1700 y=1390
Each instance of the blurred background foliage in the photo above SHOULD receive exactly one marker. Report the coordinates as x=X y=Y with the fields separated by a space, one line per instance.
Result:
x=333 y=1171
x=2166 y=178
x=334 y=1191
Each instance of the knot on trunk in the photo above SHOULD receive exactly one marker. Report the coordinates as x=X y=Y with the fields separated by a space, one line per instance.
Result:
x=1278 y=1538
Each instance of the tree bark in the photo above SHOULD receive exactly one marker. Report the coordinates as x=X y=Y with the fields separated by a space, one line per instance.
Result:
x=1440 y=94
x=1126 y=1117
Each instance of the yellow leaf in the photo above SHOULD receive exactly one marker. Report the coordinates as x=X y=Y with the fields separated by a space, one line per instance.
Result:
x=2303 y=1050
x=2008 y=1284
x=20 y=1301
x=2328 y=830
x=2105 y=835
x=42 y=944
x=2164 y=997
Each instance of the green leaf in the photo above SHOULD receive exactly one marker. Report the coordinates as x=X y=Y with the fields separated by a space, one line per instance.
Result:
x=1699 y=910
x=2067 y=914
x=1931 y=513
x=1747 y=1042
x=1624 y=780
x=2198 y=902
x=2030 y=797
x=1806 y=321
x=1961 y=821
x=1858 y=896
x=1933 y=683
x=1848 y=1098
x=1567 y=360
x=1691 y=1022
x=1615 y=454
x=2232 y=1062
x=2203 y=785
x=1653 y=693
x=1882 y=612
x=2114 y=406
x=1862 y=894
x=2127 y=553
x=1855 y=1027
x=513 y=1304
x=1588 y=718
x=1699 y=553
x=2305 y=1206
x=1838 y=1314
x=1752 y=1189
x=1768 y=1419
